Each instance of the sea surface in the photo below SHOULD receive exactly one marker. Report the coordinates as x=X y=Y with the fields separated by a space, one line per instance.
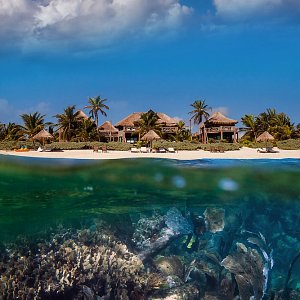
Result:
x=193 y=229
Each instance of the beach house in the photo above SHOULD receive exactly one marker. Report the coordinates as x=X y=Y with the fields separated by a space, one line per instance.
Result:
x=129 y=131
x=218 y=127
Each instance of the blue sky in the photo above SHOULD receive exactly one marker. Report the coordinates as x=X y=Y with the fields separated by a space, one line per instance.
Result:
x=241 y=56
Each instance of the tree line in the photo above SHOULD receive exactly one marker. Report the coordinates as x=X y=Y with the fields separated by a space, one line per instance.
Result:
x=72 y=126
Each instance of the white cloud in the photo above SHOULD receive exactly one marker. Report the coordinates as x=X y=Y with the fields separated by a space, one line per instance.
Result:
x=249 y=9
x=93 y=21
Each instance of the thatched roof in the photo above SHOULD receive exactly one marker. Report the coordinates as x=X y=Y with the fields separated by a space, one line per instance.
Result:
x=150 y=136
x=81 y=115
x=131 y=119
x=107 y=127
x=43 y=134
x=219 y=119
x=165 y=119
x=266 y=136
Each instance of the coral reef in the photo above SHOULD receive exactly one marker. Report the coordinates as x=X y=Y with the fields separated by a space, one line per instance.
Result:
x=247 y=266
x=92 y=260
x=172 y=255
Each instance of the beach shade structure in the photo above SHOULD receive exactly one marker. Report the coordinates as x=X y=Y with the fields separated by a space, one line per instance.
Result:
x=266 y=136
x=42 y=136
x=150 y=136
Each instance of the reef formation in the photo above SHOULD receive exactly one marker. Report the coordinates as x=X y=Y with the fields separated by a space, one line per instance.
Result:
x=209 y=254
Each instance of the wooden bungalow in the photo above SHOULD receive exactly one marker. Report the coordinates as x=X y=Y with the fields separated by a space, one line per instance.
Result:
x=219 y=127
x=108 y=131
x=128 y=131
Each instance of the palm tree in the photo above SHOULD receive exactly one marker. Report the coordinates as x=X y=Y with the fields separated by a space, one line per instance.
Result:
x=11 y=132
x=250 y=122
x=266 y=120
x=33 y=123
x=96 y=105
x=148 y=121
x=87 y=130
x=68 y=122
x=182 y=133
x=199 y=112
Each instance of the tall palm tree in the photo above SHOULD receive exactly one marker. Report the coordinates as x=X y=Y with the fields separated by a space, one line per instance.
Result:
x=68 y=122
x=250 y=122
x=33 y=123
x=148 y=121
x=199 y=112
x=96 y=106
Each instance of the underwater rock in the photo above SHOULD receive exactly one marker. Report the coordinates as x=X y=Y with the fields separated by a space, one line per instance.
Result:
x=214 y=218
x=171 y=227
x=170 y=266
x=176 y=222
x=146 y=229
x=247 y=266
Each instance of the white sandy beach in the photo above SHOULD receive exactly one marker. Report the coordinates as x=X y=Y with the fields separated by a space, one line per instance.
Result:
x=244 y=153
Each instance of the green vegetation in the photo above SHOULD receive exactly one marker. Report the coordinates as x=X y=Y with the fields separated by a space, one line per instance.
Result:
x=147 y=122
x=96 y=106
x=118 y=146
x=277 y=124
x=33 y=123
x=77 y=131
x=291 y=144
x=199 y=112
x=190 y=146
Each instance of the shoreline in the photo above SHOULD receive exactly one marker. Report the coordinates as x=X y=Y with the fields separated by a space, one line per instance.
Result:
x=243 y=153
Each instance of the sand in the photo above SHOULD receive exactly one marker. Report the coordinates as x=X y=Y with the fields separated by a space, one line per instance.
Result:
x=244 y=153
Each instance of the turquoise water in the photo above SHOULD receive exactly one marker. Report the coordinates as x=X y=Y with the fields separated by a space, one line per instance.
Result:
x=185 y=222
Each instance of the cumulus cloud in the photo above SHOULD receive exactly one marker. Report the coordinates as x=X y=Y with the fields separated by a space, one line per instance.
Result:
x=34 y=22
x=253 y=9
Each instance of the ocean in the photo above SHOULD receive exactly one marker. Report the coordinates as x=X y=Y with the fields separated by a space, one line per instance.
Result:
x=149 y=229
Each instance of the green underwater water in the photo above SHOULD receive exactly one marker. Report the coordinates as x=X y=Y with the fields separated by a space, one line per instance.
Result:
x=36 y=196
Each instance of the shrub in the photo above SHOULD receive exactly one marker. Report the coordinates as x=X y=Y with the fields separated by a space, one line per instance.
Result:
x=291 y=144
x=88 y=145
x=226 y=146
x=255 y=145
x=11 y=145
x=194 y=146
x=176 y=145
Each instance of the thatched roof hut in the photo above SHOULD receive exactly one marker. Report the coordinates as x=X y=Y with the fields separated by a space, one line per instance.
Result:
x=165 y=119
x=43 y=134
x=219 y=119
x=266 y=136
x=82 y=115
x=150 y=136
x=130 y=120
x=107 y=127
